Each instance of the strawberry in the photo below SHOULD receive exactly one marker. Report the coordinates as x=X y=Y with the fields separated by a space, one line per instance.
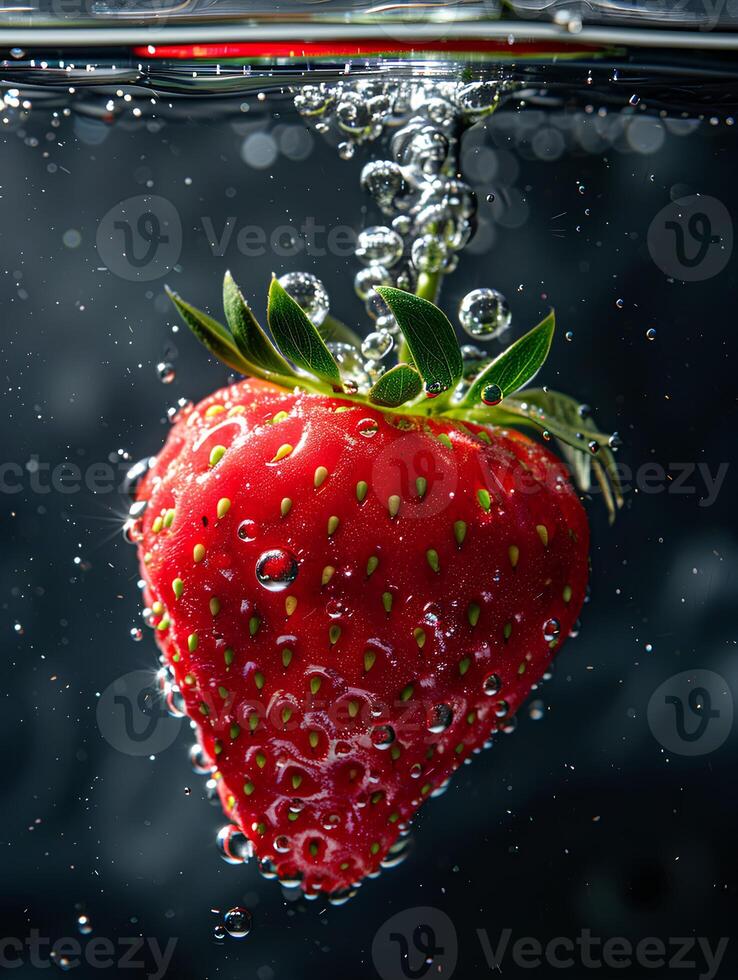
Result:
x=353 y=592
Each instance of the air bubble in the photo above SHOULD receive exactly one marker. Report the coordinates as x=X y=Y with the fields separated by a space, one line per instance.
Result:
x=379 y=245
x=165 y=372
x=237 y=922
x=276 y=569
x=309 y=293
x=484 y=313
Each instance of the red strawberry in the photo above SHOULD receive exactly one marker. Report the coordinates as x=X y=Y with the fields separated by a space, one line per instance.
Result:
x=352 y=599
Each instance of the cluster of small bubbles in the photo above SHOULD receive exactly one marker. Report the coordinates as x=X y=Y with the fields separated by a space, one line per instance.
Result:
x=484 y=313
x=165 y=372
x=309 y=293
x=233 y=845
x=237 y=922
x=431 y=210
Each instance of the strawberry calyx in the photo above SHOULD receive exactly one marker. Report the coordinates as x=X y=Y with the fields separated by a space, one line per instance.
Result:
x=430 y=378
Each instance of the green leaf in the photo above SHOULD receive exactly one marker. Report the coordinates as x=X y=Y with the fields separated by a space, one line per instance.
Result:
x=212 y=334
x=577 y=436
x=297 y=338
x=250 y=339
x=400 y=384
x=429 y=337
x=514 y=367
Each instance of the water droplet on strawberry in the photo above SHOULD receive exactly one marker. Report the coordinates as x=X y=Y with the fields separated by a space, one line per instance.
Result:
x=267 y=869
x=502 y=708
x=551 y=630
x=335 y=609
x=397 y=853
x=276 y=569
x=342 y=896
x=281 y=844
x=237 y=922
x=233 y=845
x=492 y=394
x=247 y=530
x=383 y=736
x=134 y=476
x=200 y=765
x=368 y=428
x=440 y=718
x=492 y=685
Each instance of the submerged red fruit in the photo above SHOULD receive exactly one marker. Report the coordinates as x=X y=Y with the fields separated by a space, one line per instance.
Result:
x=351 y=601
